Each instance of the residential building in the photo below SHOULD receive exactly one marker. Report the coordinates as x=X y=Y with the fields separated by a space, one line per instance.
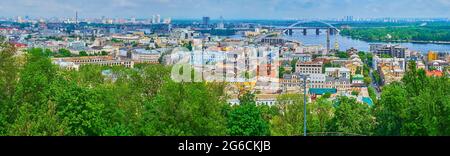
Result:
x=434 y=73
x=314 y=67
x=145 y=56
x=438 y=65
x=293 y=83
x=75 y=62
x=390 y=50
x=431 y=56
x=338 y=72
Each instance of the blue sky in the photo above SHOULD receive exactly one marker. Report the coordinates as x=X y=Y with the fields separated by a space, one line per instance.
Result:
x=229 y=9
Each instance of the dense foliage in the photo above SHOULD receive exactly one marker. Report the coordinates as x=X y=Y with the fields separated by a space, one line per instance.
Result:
x=419 y=105
x=400 y=34
x=39 y=99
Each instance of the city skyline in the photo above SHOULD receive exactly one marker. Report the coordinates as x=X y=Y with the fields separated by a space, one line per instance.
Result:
x=230 y=9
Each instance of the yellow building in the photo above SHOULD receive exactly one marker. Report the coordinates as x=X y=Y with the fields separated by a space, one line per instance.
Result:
x=432 y=56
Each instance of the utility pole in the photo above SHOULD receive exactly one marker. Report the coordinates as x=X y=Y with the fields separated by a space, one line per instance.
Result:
x=304 y=104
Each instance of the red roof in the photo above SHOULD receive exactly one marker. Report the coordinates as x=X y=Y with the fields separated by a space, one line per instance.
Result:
x=9 y=29
x=19 y=45
x=435 y=73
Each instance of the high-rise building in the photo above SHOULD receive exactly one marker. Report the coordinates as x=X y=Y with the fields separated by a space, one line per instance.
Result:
x=221 y=24
x=206 y=21
x=158 y=19
x=153 y=19
x=382 y=50
x=432 y=56
x=19 y=19
x=348 y=18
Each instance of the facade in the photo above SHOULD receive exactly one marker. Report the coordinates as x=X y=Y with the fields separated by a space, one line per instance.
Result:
x=389 y=50
x=390 y=72
x=314 y=67
x=400 y=62
x=431 y=56
x=438 y=65
x=145 y=56
x=338 y=72
x=293 y=83
x=206 y=21
x=273 y=40
x=343 y=85
x=75 y=62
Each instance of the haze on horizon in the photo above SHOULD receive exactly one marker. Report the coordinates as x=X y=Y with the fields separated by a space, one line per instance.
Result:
x=229 y=9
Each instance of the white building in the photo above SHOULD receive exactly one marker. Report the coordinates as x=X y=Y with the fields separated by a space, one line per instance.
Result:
x=309 y=67
x=145 y=56
x=338 y=72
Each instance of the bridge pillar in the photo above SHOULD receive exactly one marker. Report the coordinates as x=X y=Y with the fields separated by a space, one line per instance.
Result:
x=328 y=40
x=290 y=32
x=317 y=31
x=332 y=31
x=305 y=32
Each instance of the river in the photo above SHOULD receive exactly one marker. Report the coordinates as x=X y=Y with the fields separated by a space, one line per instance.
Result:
x=346 y=43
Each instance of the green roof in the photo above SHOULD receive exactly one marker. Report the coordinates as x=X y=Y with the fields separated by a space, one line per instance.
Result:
x=358 y=77
x=321 y=91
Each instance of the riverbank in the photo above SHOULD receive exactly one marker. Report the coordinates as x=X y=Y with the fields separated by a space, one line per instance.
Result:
x=398 y=41
x=346 y=42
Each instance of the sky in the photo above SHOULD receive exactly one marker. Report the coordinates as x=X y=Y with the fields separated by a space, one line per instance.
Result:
x=229 y=9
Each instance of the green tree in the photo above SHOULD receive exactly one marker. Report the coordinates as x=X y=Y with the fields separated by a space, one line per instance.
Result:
x=326 y=95
x=185 y=109
x=9 y=68
x=367 y=80
x=64 y=53
x=294 y=64
x=281 y=72
x=83 y=53
x=372 y=94
x=34 y=112
x=352 y=118
x=320 y=117
x=246 y=119
x=289 y=122
x=390 y=112
x=355 y=93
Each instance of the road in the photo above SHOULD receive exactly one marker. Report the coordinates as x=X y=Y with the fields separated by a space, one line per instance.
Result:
x=374 y=84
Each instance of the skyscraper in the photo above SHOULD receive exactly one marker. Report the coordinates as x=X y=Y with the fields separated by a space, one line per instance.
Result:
x=158 y=19
x=206 y=21
x=349 y=18
x=221 y=24
x=153 y=19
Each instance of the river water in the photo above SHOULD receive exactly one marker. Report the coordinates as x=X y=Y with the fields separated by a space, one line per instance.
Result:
x=346 y=43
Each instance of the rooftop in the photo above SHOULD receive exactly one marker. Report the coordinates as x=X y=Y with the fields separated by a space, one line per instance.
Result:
x=144 y=51
x=435 y=73
x=335 y=69
x=321 y=91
